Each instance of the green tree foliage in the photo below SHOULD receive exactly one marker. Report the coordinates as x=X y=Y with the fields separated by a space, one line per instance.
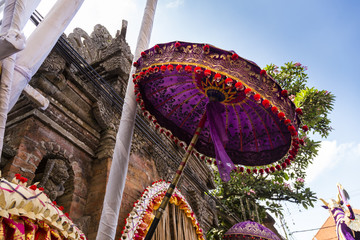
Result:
x=268 y=192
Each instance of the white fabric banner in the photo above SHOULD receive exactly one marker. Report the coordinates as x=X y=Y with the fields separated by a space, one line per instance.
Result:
x=120 y=161
x=11 y=38
x=16 y=14
x=47 y=33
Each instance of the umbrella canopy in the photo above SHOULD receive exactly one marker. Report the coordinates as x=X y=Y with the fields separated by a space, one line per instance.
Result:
x=249 y=117
x=249 y=230
x=27 y=213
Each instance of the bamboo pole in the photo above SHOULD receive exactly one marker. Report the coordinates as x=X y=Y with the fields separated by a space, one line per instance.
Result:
x=119 y=166
x=175 y=180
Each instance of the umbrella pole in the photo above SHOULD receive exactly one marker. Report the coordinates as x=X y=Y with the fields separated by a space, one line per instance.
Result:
x=175 y=180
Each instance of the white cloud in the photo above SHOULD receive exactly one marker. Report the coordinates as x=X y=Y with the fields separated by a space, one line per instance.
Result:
x=330 y=155
x=175 y=4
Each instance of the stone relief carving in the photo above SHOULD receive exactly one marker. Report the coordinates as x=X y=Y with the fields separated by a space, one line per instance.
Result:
x=101 y=37
x=53 y=64
x=104 y=116
x=84 y=45
x=54 y=178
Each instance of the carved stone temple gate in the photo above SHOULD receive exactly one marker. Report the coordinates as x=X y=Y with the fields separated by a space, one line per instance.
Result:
x=68 y=147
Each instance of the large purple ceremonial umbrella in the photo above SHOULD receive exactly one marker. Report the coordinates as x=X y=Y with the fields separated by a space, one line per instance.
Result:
x=249 y=230
x=220 y=105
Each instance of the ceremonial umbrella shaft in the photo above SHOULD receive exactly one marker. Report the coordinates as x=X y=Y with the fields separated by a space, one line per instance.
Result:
x=175 y=181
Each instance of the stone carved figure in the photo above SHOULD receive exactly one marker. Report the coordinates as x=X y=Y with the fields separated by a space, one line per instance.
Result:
x=54 y=178
x=347 y=223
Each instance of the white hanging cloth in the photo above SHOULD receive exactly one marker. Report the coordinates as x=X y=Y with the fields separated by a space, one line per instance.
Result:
x=120 y=161
x=11 y=38
x=47 y=33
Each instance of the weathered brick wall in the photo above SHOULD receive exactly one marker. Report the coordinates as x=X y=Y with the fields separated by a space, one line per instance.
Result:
x=34 y=141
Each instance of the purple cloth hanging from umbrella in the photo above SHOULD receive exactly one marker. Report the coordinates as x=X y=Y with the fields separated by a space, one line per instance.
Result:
x=219 y=138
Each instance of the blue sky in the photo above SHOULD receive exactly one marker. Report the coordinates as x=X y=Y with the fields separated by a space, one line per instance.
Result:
x=321 y=34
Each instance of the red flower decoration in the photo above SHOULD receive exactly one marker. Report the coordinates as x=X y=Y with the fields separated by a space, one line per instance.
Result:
x=163 y=68
x=281 y=115
x=278 y=167
x=61 y=208
x=248 y=170
x=262 y=72
x=18 y=176
x=284 y=93
x=302 y=142
x=261 y=171
x=188 y=69
x=283 y=165
x=170 y=67
x=257 y=97
x=41 y=188
x=207 y=72
x=23 y=179
x=274 y=110
x=67 y=215
x=53 y=202
x=255 y=171
x=305 y=128
x=247 y=90
x=299 y=111
x=206 y=48
x=235 y=57
x=272 y=169
x=291 y=157
x=198 y=70
x=239 y=86
x=266 y=103
x=33 y=187
x=241 y=169
x=228 y=81
x=287 y=161
x=157 y=48
x=143 y=54
x=267 y=170
x=291 y=128
x=179 y=68
x=294 y=133
x=217 y=76
x=156 y=69
x=136 y=64
x=177 y=44
x=292 y=153
x=287 y=121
